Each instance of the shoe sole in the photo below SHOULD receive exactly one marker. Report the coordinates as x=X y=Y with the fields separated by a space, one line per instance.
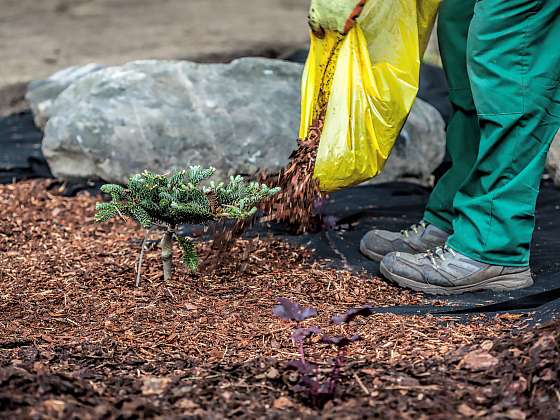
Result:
x=370 y=254
x=496 y=284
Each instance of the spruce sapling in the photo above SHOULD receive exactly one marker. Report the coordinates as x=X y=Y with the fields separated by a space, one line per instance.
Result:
x=164 y=202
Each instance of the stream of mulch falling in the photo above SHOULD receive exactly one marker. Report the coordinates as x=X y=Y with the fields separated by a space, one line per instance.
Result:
x=78 y=340
x=297 y=204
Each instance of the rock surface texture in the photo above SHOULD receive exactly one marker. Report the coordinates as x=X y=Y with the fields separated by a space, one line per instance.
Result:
x=41 y=94
x=159 y=115
x=553 y=163
x=420 y=148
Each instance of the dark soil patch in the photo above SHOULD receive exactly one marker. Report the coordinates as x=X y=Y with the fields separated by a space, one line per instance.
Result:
x=509 y=378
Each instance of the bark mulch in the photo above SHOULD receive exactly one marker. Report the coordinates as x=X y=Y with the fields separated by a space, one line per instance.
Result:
x=78 y=340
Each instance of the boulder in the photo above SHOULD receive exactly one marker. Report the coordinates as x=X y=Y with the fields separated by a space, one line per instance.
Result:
x=42 y=93
x=160 y=115
x=553 y=162
x=237 y=117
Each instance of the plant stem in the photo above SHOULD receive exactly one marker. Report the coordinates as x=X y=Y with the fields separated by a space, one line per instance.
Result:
x=301 y=351
x=141 y=258
x=166 y=245
x=335 y=374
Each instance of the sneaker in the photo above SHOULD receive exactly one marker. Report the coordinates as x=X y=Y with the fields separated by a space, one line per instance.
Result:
x=446 y=272
x=418 y=238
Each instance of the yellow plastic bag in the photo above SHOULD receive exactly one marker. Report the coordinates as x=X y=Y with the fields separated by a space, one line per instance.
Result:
x=366 y=81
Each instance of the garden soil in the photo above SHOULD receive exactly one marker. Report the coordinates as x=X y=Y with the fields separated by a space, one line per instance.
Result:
x=78 y=340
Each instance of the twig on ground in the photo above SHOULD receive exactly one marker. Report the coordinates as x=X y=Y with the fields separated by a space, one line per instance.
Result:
x=361 y=384
x=141 y=257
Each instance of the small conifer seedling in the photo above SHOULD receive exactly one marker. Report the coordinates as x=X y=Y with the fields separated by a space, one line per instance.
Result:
x=164 y=202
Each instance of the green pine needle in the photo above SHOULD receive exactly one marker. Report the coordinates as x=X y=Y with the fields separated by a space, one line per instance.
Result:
x=105 y=211
x=190 y=257
x=182 y=197
x=141 y=216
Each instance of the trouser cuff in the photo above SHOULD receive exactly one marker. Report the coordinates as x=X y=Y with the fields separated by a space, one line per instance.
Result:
x=434 y=219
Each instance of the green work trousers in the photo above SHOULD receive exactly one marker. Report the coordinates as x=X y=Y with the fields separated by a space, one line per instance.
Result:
x=502 y=61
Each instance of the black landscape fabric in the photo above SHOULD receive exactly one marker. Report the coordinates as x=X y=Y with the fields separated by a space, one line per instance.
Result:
x=20 y=149
x=395 y=206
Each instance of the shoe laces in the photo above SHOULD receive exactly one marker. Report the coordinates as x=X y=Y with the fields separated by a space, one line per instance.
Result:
x=415 y=229
x=439 y=254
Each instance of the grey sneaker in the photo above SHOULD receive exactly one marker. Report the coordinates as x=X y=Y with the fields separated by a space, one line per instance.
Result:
x=446 y=272
x=418 y=238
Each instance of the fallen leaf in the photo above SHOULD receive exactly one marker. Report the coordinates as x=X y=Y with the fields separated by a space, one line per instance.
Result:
x=478 y=360
x=154 y=385
x=466 y=411
x=282 y=403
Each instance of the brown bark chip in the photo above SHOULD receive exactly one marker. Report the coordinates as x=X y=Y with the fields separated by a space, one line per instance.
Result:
x=479 y=360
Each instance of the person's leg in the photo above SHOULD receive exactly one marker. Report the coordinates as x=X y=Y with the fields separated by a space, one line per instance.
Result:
x=462 y=144
x=463 y=132
x=514 y=69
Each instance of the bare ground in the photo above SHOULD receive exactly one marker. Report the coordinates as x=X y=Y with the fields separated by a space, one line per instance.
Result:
x=39 y=37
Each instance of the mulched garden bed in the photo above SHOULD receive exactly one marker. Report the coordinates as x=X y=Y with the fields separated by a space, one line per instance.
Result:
x=78 y=340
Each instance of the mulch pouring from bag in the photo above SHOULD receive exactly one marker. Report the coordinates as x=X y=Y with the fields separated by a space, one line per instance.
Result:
x=295 y=205
x=300 y=199
x=297 y=202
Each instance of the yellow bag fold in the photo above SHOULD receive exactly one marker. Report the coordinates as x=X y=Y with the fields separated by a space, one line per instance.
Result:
x=367 y=80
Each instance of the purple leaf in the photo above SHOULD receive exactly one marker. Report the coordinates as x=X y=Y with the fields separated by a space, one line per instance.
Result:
x=302 y=367
x=291 y=311
x=350 y=314
x=301 y=334
x=340 y=341
x=326 y=390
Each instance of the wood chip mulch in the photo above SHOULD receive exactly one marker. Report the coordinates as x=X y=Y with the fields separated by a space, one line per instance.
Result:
x=78 y=340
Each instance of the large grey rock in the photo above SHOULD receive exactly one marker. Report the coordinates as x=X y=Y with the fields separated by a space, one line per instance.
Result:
x=159 y=115
x=41 y=94
x=237 y=117
x=553 y=162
